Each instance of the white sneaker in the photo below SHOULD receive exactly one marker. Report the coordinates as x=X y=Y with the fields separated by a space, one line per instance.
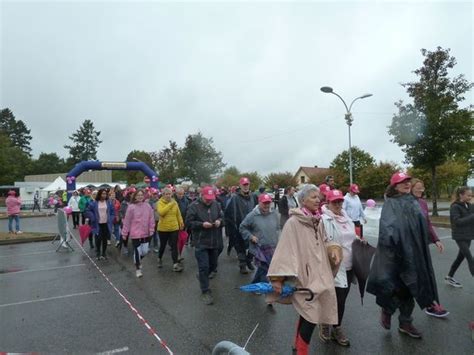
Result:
x=451 y=281
x=19 y=232
x=139 y=273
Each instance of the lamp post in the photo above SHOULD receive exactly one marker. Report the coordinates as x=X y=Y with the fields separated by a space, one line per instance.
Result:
x=348 y=118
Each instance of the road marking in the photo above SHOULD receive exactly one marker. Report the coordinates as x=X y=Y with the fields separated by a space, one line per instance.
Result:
x=115 y=351
x=129 y=304
x=49 y=298
x=46 y=269
x=36 y=253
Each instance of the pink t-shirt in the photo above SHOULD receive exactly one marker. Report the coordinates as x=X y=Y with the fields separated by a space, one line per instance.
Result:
x=102 y=206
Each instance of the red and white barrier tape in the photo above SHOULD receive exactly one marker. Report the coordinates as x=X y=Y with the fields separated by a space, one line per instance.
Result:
x=134 y=310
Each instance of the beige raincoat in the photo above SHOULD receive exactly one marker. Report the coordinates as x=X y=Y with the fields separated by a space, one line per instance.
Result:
x=301 y=257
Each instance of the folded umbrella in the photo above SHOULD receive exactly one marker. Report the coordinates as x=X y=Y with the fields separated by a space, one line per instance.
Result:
x=84 y=232
x=362 y=253
x=266 y=287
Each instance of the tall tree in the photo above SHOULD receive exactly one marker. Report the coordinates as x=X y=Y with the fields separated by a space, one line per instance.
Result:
x=361 y=160
x=199 y=161
x=230 y=177
x=14 y=162
x=85 y=143
x=166 y=163
x=15 y=130
x=134 y=176
x=48 y=163
x=434 y=128
x=283 y=180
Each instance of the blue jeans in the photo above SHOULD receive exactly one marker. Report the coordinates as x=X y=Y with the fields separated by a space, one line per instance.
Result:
x=207 y=262
x=260 y=275
x=116 y=232
x=10 y=222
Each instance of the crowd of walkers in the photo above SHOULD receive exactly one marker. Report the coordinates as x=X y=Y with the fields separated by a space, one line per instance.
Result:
x=309 y=243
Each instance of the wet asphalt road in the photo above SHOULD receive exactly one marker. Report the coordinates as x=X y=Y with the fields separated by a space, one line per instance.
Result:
x=59 y=303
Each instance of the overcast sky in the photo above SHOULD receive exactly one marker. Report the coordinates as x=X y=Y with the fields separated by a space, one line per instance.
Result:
x=246 y=74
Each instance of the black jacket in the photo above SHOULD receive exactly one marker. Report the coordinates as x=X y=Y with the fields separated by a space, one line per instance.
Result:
x=402 y=259
x=198 y=213
x=462 y=221
x=237 y=208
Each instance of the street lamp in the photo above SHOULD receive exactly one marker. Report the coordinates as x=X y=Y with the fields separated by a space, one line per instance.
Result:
x=348 y=118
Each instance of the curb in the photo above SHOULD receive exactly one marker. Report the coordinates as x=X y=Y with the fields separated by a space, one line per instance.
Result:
x=45 y=238
x=441 y=225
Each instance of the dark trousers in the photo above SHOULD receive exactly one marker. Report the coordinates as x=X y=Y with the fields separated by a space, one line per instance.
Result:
x=260 y=275
x=207 y=262
x=36 y=205
x=101 y=239
x=170 y=238
x=304 y=331
x=464 y=253
x=358 y=224
x=75 y=219
x=341 y=295
x=83 y=218
x=136 y=254
x=241 y=247
x=406 y=305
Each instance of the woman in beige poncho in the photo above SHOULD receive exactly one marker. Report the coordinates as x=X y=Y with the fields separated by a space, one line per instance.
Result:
x=301 y=258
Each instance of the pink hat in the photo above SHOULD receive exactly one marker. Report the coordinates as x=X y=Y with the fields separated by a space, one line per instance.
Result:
x=324 y=189
x=398 y=178
x=334 y=195
x=265 y=198
x=208 y=193
x=354 y=188
x=244 y=181
x=12 y=192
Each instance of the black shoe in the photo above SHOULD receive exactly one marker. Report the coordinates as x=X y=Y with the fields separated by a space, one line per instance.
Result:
x=243 y=269
x=104 y=257
x=250 y=266
x=410 y=330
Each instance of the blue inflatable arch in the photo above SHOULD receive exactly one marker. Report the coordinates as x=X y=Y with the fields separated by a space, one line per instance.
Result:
x=98 y=165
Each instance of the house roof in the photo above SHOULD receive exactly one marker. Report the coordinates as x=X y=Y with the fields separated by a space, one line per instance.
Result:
x=311 y=171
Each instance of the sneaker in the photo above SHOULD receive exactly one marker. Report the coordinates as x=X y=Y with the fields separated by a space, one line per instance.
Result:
x=339 y=336
x=160 y=263
x=436 y=311
x=385 y=319
x=409 y=330
x=451 y=281
x=324 y=332
x=243 y=269
x=177 y=267
x=109 y=242
x=117 y=243
x=104 y=257
x=156 y=250
x=212 y=274
x=250 y=266
x=19 y=232
x=139 y=273
x=206 y=297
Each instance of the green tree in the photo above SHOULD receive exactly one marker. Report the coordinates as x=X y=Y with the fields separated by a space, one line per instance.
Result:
x=199 y=161
x=136 y=176
x=48 y=163
x=85 y=142
x=281 y=179
x=230 y=177
x=166 y=163
x=373 y=180
x=361 y=160
x=16 y=130
x=13 y=160
x=434 y=128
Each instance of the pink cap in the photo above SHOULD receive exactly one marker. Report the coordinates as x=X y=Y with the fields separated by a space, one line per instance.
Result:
x=265 y=198
x=12 y=192
x=398 y=178
x=208 y=193
x=334 y=195
x=354 y=188
x=244 y=181
x=324 y=189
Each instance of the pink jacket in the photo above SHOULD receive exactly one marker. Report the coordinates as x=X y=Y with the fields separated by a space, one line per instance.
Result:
x=13 y=205
x=139 y=221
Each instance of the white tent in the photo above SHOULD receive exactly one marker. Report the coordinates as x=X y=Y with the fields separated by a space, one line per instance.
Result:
x=58 y=184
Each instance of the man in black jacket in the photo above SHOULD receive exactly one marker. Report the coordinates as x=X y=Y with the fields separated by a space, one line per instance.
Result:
x=204 y=218
x=239 y=206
